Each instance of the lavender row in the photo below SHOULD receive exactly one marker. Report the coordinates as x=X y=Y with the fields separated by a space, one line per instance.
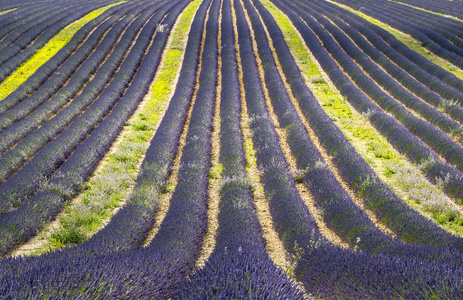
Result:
x=31 y=143
x=44 y=83
x=68 y=180
x=44 y=163
x=180 y=237
x=400 y=218
x=434 y=78
x=349 y=221
x=151 y=273
x=135 y=274
x=318 y=267
x=25 y=100
x=7 y=5
x=238 y=222
x=292 y=220
x=370 y=31
x=239 y=267
x=177 y=244
x=318 y=277
x=13 y=56
x=449 y=28
x=416 y=65
x=232 y=155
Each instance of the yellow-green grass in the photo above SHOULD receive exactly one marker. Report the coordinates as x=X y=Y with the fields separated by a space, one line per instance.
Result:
x=113 y=182
x=410 y=42
x=6 y=11
x=28 y=68
x=390 y=165
x=429 y=11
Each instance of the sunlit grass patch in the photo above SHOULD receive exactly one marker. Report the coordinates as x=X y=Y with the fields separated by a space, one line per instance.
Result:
x=6 y=11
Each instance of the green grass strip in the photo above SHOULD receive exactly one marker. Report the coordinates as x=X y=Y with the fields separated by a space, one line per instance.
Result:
x=6 y=11
x=429 y=11
x=28 y=68
x=110 y=186
x=410 y=42
x=406 y=179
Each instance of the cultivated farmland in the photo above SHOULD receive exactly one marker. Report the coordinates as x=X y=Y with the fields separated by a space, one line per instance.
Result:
x=231 y=149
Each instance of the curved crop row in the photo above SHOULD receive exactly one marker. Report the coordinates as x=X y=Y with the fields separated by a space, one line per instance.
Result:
x=170 y=256
x=447 y=27
x=138 y=214
x=402 y=176
x=238 y=82
x=320 y=181
x=331 y=272
x=346 y=219
x=111 y=185
x=443 y=30
x=181 y=233
x=420 y=63
x=395 y=89
x=316 y=269
x=19 y=4
x=12 y=31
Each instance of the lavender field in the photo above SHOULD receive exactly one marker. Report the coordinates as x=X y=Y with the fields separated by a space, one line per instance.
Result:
x=231 y=149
